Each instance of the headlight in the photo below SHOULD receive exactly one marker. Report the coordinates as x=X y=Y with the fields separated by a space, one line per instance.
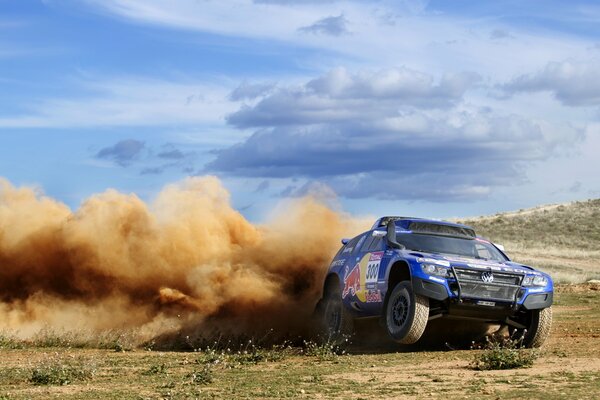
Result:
x=538 y=280
x=436 y=270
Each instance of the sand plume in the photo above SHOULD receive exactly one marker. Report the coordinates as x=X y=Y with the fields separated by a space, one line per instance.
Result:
x=186 y=259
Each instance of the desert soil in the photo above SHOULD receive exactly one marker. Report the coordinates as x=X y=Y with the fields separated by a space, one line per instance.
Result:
x=568 y=367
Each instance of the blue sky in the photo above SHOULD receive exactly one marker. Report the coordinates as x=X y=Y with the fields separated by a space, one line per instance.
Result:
x=430 y=108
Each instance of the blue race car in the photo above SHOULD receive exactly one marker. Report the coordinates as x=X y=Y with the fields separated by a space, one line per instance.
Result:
x=408 y=271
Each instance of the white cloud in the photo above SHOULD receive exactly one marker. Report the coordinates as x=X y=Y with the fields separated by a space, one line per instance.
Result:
x=384 y=33
x=390 y=134
x=333 y=26
x=340 y=95
x=572 y=83
x=128 y=101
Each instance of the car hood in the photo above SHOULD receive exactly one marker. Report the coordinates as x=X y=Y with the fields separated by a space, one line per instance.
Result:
x=468 y=262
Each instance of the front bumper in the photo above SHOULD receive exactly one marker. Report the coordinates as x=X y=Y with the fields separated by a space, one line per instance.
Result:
x=537 y=301
x=517 y=297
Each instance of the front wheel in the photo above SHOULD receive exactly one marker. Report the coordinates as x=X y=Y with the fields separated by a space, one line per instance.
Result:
x=538 y=328
x=406 y=314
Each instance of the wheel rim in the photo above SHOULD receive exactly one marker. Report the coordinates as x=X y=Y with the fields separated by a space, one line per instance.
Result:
x=400 y=310
x=332 y=317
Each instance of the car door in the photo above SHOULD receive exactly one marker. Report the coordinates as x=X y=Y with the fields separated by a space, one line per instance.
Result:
x=362 y=274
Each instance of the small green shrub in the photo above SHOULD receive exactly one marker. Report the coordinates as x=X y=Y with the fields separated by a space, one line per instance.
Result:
x=504 y=353
x=61 y=371
x=202 y=376
x=248 y=353
x=156 y=369
x=10 y=342
x=324 y=351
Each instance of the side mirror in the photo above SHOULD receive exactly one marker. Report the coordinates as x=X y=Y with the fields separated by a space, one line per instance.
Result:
x=345 y=241
x=391 y=236
x=379 y=234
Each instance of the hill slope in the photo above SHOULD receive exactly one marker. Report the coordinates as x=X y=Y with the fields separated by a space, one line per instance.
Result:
x=563 y=239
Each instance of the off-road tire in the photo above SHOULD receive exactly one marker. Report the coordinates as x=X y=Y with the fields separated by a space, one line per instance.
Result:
x=538 y=329
x=406 y=314
x=334 y=321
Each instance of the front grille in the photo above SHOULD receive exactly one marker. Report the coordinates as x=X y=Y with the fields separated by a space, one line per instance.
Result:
x=504 y=286
x=488 y=292
x=499 y=277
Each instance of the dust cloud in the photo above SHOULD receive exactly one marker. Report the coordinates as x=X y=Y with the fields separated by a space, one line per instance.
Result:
x=187 y=260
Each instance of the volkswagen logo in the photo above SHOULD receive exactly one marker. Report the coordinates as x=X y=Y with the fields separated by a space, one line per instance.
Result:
x=487 y=277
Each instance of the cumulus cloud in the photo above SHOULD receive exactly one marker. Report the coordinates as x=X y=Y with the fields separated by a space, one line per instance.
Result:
x=572 y=83
x=333 y=26
x=250 y=91
x=412 y=156
x=123 y=152
x=342 y=96
x=171 y=154
x=392 y=134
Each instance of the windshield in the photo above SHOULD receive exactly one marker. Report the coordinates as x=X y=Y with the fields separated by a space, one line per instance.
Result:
x=450 y=245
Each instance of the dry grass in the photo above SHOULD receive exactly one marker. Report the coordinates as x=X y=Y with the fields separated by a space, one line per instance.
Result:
x=563 y=239
x=567 y=367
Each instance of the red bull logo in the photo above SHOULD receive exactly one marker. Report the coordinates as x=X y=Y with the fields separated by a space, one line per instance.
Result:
x=351 y=281
x=377 y=256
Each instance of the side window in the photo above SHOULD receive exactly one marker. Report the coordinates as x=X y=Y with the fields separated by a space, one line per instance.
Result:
x=367 y=244
x=350 y=246
x=360 y=242
x=376 y=244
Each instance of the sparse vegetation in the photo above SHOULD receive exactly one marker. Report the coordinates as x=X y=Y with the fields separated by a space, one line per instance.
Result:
x=560 y=239
x=49 y=338
x=202 y=376
x=504 y=353
x=58 y=370
x=569 y=367
x=324 y=351
x=156 y=369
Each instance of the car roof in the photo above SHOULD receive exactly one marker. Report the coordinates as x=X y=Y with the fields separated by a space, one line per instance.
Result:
x=404 y=222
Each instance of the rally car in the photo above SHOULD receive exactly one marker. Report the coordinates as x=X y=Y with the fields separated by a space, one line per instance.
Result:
x=408 y=271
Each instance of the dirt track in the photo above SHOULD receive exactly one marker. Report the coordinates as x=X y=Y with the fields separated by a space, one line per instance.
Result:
x=569 y=367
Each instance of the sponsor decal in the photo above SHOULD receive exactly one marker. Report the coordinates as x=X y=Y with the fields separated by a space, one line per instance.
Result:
x=372 y=270
x=373 y=296
x=361 y=281
x=351 y=281
x=337 y=263
x=478 y=266
x=376 y=256
x=470 y=261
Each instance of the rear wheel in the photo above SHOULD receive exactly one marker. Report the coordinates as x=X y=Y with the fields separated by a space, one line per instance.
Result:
x=537 y=329
x=406 y=314
x=335 y=322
